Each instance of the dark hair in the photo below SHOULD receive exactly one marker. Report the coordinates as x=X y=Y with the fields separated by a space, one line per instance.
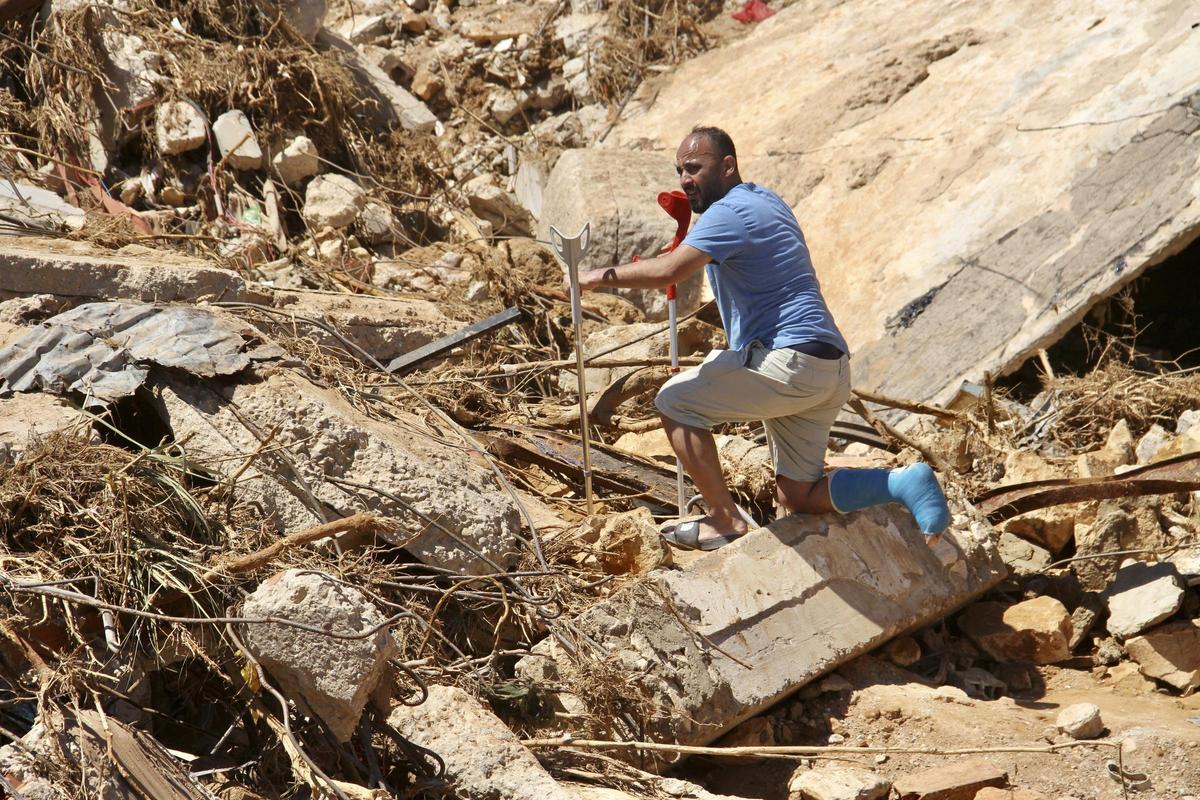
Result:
x=722 y=144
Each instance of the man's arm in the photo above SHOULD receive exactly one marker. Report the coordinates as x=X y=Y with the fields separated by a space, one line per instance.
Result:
x=653 y=273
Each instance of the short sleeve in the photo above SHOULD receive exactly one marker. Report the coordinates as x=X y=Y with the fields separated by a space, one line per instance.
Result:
x=719 y=233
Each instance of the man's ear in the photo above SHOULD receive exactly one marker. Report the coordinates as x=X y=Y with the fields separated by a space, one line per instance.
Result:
x=728 y=165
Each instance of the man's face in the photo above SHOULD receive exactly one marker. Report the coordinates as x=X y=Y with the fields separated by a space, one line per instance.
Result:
x=701 y=173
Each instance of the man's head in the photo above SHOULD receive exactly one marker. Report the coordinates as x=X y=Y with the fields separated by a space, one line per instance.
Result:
x=707 y=165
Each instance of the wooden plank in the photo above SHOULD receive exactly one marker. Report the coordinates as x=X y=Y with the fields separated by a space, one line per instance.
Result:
x=148 y=769
x=403 y=362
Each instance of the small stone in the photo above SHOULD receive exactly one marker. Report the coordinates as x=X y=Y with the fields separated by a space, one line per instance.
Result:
x=178 y=127
x=952 y=694
x=836 y=738
x=376 y=223
x=837 y=782
x=1141 y=596
x=235 y=139
x=1150 y=443
x=1082 y=620
x=297 y=160
x=492 y=204
x=333 y=201
x=426 y=84
x=882 y=758
x=363 y=29
x=477 y=292
x=1187 y=420
x=1080 y=721
x=903 y=651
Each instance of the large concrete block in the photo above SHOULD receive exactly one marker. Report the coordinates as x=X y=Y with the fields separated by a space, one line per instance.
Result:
x=784 y=605
x=971 y=177
x=327 y=460
x=616 y=191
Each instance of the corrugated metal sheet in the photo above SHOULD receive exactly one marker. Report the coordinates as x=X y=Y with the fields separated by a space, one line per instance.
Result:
x=104 y=350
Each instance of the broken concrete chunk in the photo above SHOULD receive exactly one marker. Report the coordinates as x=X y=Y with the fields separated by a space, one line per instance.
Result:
x=307 y=17
x=361 y=29
x=1082 y=620
x=1037 y=630
x=840 y=586
x=956 y=781
x=1141 y=596
x=426 y=84
x=332 y=201
x=297 y=160
x=625 y=543
x=343 y=461
x=491 y=203
x=1169 y=653
x=1105 y=535
x=1080 y=721
x=394 y=105
x=1021 y=556
x=837 y=782
x=334 y=676
x=179 y=127
x=483 y=757
x=235 y=139
x=1150 y=443
x=132 y=68
x=488 y=23
x=38 y=207
x=1050 y=528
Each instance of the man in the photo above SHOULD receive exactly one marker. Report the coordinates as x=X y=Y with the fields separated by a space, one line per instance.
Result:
x=787 y=363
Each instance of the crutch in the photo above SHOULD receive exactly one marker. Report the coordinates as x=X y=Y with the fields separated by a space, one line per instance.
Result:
x=571 y=252
x=676 y=204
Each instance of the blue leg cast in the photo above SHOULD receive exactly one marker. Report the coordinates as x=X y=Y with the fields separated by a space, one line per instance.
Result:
x=915 y=486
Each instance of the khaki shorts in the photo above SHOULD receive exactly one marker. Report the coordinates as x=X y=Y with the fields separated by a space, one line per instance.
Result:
x=797 y=397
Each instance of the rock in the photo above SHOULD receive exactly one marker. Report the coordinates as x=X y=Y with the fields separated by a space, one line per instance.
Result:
x=38 y=207
x=959 y=780
x=334 y=677
x=1080 y=721
x=491 y=203
x=361 y=29
x=1036 y=630
x=391 y=104
x=863 y=577
x=486 y=23
x=1150 y=443
x=1187 y=421
x=947 y=70
x=1141 y=596
x=236 y=141
x=577 y=32
x=332 y=201
x=297 y=160
x=1127 y=679
x=978 y=683
x=1108 y=652
x=652 y=444
x=483 y=758
x=1048 y=528
x=1187 y=563
x=132 y=68
x=306 y=17
x=903 y=652
x=529 y=185
x=1169 y=653
x=427 y=84
x=1082 y=620
x=463 y=518
x=179 y=127
x=626 y=543
x=837 y=782
x=1022 y=557
x=616 y=191
x=504 y=104
x=376 y=224
x=1102 y=536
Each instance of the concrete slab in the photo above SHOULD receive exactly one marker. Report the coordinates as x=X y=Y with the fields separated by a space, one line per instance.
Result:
x=772 y=611
x=971 y=178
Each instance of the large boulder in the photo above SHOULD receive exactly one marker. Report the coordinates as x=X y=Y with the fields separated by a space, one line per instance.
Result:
x=334 y=676
x=970 y=177
x=616 y=192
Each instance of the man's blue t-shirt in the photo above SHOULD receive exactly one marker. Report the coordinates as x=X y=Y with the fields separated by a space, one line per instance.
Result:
x=761 y=273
